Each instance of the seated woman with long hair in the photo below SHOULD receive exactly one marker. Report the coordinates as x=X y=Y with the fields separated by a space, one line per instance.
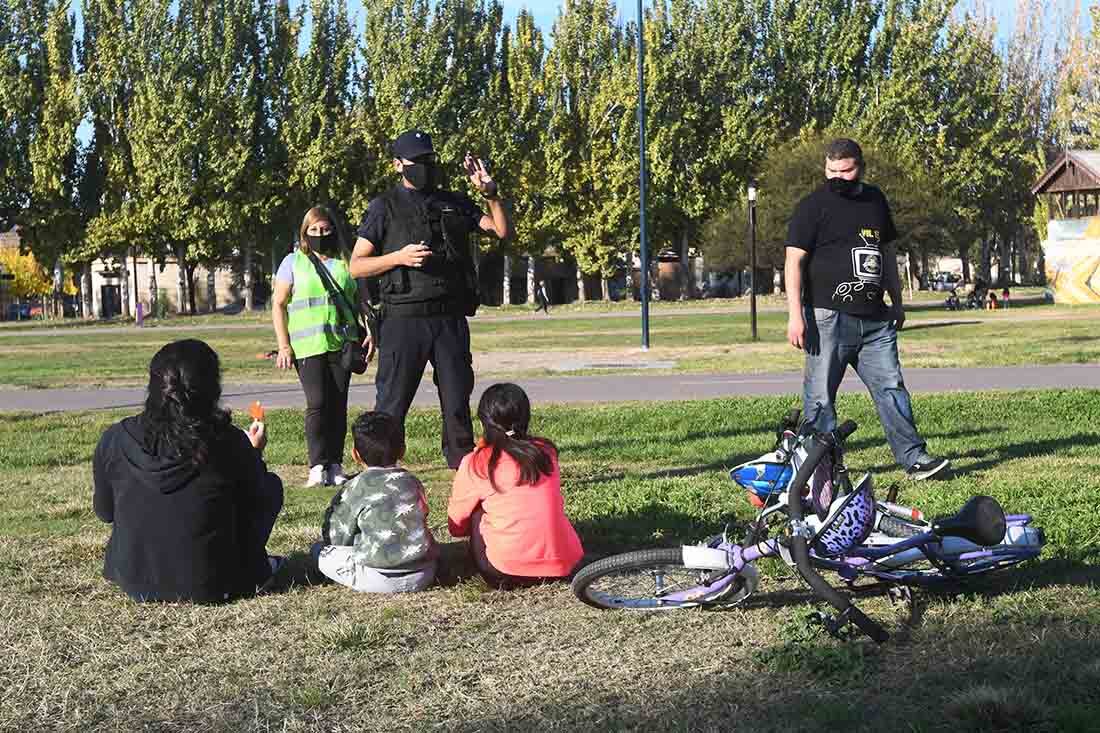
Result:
x=189 y=498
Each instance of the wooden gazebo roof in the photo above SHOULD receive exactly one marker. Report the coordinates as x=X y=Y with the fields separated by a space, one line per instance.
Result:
x=1075 y=170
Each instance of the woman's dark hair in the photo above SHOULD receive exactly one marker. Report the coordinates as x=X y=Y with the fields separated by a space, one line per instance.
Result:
x=182 y=407
x=505 y=413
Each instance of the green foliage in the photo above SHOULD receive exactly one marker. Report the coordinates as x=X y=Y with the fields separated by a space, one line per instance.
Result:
x=792 y=170
x=213 y=125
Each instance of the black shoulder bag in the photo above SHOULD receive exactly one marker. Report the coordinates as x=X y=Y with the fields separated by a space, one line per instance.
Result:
x=353 y=356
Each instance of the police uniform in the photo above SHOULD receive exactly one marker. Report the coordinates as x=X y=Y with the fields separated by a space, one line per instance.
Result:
x=425 y=307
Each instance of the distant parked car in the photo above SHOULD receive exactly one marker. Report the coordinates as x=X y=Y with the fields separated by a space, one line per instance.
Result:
x=945 y=281
x=18 y=311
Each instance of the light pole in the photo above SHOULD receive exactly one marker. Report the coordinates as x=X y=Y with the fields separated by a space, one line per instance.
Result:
x=644 y=249
x=752 y=256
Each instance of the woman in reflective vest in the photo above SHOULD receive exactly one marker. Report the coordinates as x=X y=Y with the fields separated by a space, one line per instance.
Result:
x=311 y=333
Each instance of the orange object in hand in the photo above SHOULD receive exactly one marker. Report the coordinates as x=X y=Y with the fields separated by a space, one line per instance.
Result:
x=256 y=410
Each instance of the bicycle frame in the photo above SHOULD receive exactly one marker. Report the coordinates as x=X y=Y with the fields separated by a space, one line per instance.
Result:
x=882 y=558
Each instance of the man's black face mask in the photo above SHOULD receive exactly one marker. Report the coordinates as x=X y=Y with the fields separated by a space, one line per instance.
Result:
x=422 y=176
x=844 y=187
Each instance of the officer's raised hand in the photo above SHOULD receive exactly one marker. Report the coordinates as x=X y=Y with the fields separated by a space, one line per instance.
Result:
x=480 y=176
x=413 y=255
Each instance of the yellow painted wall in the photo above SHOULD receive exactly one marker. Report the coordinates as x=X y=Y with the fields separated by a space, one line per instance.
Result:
x=1073 y=270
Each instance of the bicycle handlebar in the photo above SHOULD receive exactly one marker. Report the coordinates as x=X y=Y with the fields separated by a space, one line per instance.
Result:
x=819 y=445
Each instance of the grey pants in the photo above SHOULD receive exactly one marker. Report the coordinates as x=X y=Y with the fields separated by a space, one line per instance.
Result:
x=337 y=562
x=835 y=340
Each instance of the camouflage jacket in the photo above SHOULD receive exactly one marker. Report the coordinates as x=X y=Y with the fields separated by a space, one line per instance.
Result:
x=383 y=514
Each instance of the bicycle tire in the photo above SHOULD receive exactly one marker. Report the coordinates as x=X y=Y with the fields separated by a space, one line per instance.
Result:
x=637 y=565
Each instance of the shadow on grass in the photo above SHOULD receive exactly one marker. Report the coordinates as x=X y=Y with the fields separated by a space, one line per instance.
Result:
x=921 y=326
x=990 y=457
x=653 y=525
x=705 y=466
x=957 y=674
x=628 y=442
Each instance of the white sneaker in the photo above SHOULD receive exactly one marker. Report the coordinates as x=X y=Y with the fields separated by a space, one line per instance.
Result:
x=316 y=476
x=336 y=474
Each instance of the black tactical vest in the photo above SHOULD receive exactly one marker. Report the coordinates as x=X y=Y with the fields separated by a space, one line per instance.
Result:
x=447 y=279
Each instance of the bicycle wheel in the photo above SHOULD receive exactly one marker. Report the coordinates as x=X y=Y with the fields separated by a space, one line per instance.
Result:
x=642 y=580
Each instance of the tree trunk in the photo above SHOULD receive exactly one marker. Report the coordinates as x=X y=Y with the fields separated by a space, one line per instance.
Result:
x=1004 y=265
x=154 y=292
x=530 y=279
x=211 y=290
x=86 y=299
x=506 y=282
x=605 y=289
x=686 y=280
x=124 y=289
x=985 y=265
x=248 y=301
x=192 y=305
x=582 y=296
x=181 y=284
x=964 y=257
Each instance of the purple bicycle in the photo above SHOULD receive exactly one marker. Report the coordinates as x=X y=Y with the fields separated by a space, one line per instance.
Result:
x=824 y=522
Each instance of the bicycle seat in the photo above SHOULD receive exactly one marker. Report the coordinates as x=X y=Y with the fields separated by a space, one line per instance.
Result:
x=981 y=521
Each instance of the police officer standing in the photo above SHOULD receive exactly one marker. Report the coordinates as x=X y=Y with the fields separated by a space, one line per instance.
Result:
x=415 y=238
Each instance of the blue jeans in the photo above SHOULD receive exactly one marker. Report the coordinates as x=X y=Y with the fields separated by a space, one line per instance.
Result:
x=833 y=341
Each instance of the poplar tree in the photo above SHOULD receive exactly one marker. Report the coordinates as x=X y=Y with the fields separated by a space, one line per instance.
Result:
x=51 y=223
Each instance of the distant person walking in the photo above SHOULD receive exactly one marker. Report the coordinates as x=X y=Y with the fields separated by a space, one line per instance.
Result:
x=542 y=303
x=839 y=262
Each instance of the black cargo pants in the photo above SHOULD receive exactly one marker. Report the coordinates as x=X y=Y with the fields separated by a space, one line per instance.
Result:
x=406 y=345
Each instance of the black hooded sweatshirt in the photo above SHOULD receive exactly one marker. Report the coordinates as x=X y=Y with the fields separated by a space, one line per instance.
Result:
x=183 y=532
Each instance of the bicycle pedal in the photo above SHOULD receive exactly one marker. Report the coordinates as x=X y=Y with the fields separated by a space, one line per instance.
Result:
x=900 y=594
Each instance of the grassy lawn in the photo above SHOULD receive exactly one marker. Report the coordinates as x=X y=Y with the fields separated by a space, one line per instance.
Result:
x=1018 y=651
x=531 y=346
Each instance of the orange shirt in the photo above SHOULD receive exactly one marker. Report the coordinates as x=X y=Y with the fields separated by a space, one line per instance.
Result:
x=524 y=526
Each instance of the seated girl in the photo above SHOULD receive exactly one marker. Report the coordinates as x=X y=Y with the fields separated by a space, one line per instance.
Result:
x=189 y=499
x=507 y=498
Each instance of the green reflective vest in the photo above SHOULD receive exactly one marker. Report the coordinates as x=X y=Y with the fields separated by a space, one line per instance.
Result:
x=315 y=325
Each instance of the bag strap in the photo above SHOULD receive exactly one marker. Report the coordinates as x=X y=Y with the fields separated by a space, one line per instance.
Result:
x=336 y=293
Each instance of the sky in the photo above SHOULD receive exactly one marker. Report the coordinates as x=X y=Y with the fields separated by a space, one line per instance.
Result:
x=545 y=11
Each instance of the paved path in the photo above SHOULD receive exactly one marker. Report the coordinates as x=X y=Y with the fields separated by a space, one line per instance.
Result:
x=181 y=324
x=609 y=388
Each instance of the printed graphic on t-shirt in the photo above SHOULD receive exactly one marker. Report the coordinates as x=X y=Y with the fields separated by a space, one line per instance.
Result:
x=866 y=268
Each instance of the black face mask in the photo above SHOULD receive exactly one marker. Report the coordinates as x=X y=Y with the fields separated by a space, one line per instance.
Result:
x=422 y=176
x=844 y=187
x=325 y=244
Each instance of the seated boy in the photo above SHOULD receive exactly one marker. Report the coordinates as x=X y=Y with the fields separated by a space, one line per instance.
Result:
x=375 y=535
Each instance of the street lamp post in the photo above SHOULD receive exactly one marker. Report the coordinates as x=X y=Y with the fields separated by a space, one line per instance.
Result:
x=752 y=256
x=644 y=249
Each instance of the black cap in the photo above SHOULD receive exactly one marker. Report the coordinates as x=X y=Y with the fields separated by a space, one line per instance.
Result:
x=412 y=144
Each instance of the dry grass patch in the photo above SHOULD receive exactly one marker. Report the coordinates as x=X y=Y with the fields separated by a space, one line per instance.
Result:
x=1017 y=650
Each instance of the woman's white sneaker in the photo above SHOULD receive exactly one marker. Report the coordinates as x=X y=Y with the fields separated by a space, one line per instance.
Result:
x=336 y=474
x=316 y=476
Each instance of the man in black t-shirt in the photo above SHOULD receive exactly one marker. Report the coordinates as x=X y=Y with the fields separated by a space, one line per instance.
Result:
x=840 y=260
x=415 y=238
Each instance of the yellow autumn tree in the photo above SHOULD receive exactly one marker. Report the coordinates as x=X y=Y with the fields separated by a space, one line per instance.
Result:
x=31 y=280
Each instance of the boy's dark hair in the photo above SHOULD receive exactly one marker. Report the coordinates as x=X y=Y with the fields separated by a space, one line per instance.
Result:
x=844 y=147
x=505 y=413
x=378 y=439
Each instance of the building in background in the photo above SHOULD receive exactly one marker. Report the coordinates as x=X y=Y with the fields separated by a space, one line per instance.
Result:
x=1071 y=249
